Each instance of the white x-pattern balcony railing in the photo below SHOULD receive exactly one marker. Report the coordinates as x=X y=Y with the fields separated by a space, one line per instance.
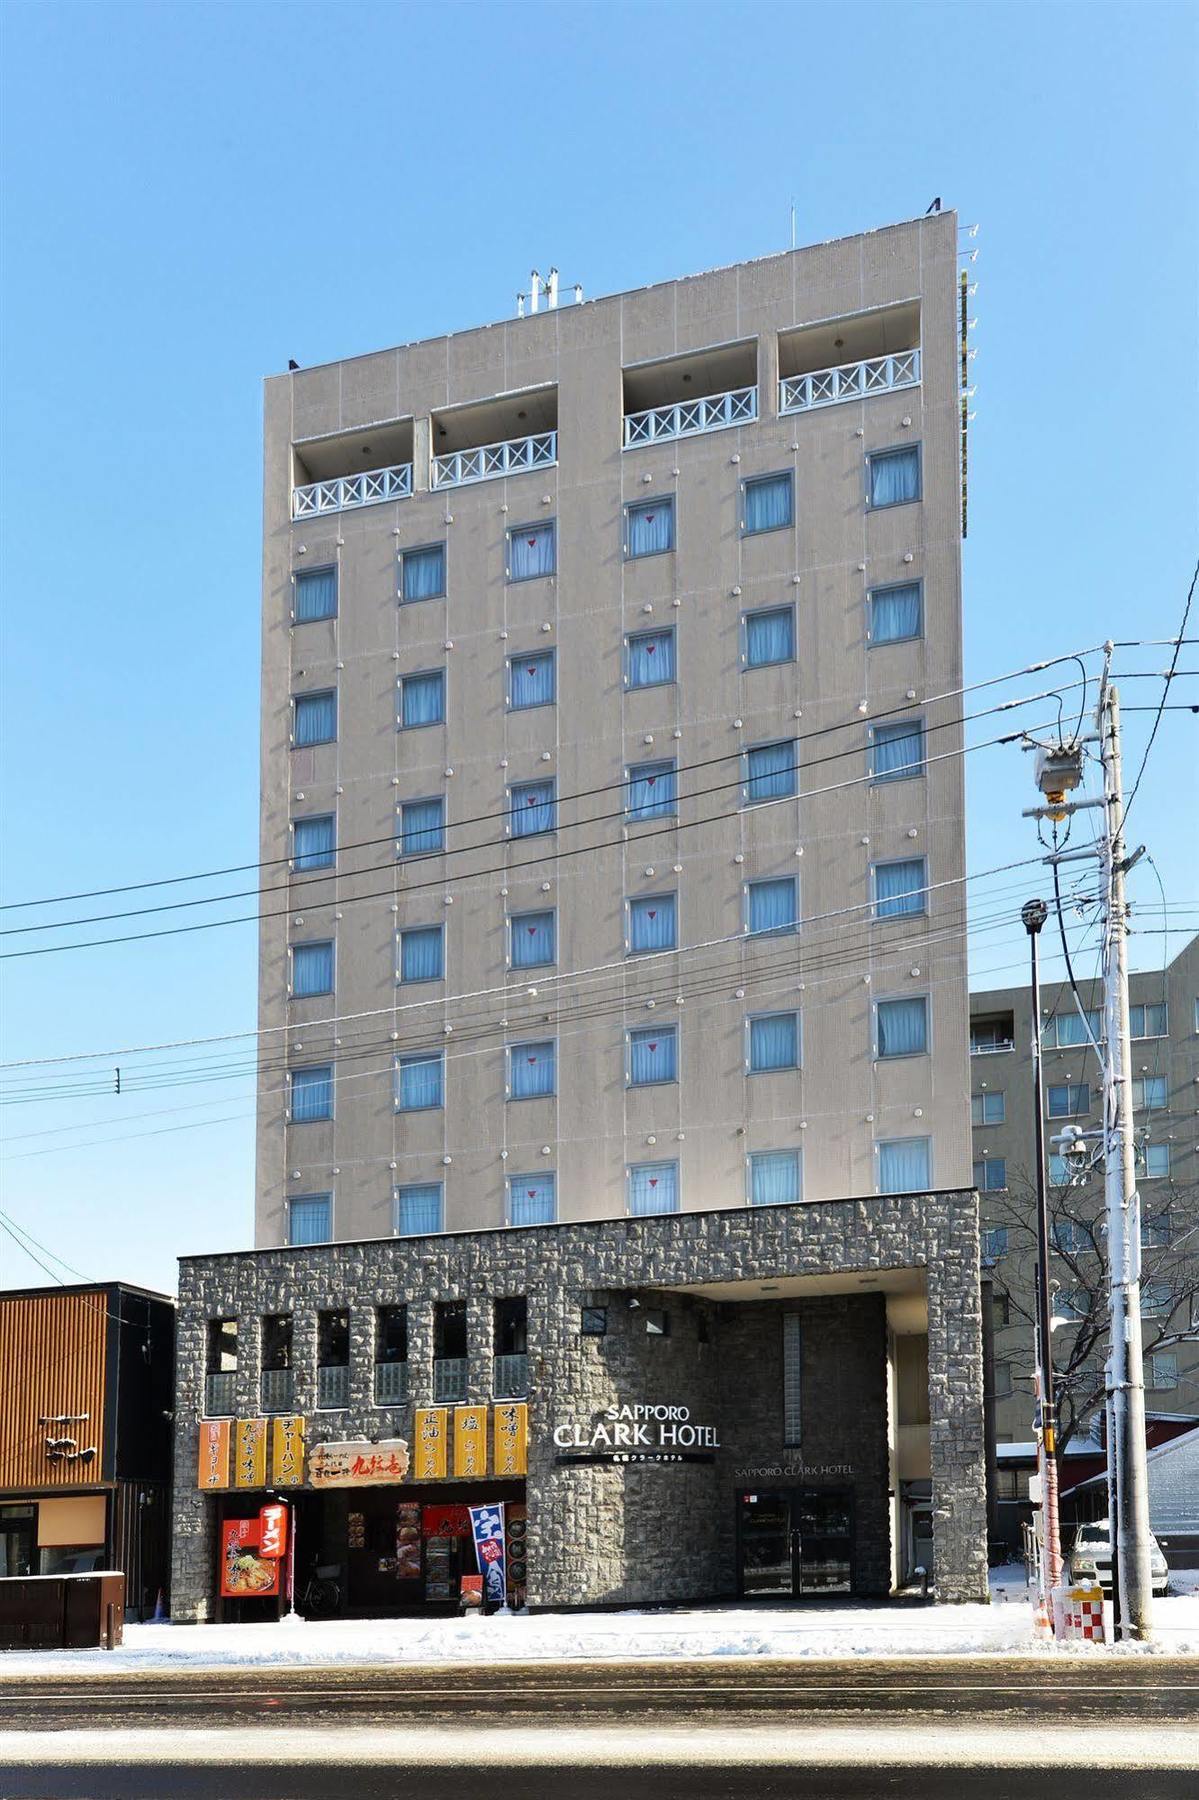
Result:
x=364 y=489
x=713 y=412
x=828 y=387
x=488 y=460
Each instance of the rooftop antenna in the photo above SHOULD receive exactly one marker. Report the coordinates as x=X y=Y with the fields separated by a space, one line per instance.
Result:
x=551 y=289
x=535 y=293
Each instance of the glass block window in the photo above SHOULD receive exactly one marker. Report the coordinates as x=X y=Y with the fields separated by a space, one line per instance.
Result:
x=311 y=970
x=792 y=1380
x=422 y=699
x=773 y=1042
x=769 y=503
x=771 y=772
x=532 y=939
x=904 y=1165
x=900 y=888
x=896 y=613
x=531 y=680
x=418 y=1209
x=653 y=1056
x=653 y=1188
x=532 y=808
x=650 y=659
x=894 y=476
x=531 y=1070
x=532 y=551
x=532 y=1199
x=774 y=1177
x=902 y=1027
x=768 y=636
x=422 y=953
x=897 y=750
x=422 y=573
x=315 y=594
x=420 y=1081
x=651 y=791
x=649 y=528
x=314 y=719
x=312 y=843
x=988 y=1109
x=652 y=923
x=312 y=1094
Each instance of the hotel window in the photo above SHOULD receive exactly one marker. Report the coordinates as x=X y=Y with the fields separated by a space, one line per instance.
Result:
x=651 y=923
x=312 y=1094
x=988 y=1109
x=651 y=791
x=422 y=699
x=531 y=681
x=420 y=1081
x=1069 y=1237
x=1155 y=1231
x=770 y=772
x=894 y=476
x=767 y=502
x=314 y=719
x=309 y=1221
x=772 y=1042
x=1148 y=1021
x=990 y=1175
x=532 y=939
x=904 y=1165
x=772 y=906
x=532 y=1199
x=653 y=1056
x=649 y=528
x=531 y=1070
x=1060 y=1173
x=593 y=1321
x=653 y=1188
x=422 y=953
x=993 y=1242
x=1066 y=1099
x=418 y=1209
x=312 y=843
x=422 y=573
x=774 y=1178
x=315 y=595
x=1162 y=1368
x=768 y=636
x=1157 y=1162
x=311 y=970
x=531 y=808
x=649 y=658
x=902 y=1027
x=1002 y=1384
x=896 y=613
x=1068 y=1032
x=1157 y=1299
x=1148 y=1093
x=532 y=551
x=422 y=827
x=900 y=888
x=657 y=1322
x=897 y=750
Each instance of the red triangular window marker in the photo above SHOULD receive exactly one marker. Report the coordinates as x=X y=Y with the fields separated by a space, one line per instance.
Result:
x=532 y=1060
x=532 y=669
x=654 y=914
x=653 y=1181
x=650 y=780
x=530 y=800
x=653 y=1046
x=532 y=1193
x=532 y=543
x=532 y=930
x=649 y=518
x=650 y=648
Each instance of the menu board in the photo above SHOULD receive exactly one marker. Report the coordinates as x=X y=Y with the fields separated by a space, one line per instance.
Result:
x=407 y=1542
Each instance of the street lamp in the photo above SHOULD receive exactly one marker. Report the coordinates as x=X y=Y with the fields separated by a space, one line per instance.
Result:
x=1034 y=914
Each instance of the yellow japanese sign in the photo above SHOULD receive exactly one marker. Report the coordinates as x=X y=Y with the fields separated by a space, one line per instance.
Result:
x=287 y=1450
x=249 y=1462
x=430 y=1450
x=470 y=1440
x=511 y=1432
x=213 y=1467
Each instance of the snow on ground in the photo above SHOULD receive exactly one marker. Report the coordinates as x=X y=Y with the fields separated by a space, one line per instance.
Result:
x=672 y=1633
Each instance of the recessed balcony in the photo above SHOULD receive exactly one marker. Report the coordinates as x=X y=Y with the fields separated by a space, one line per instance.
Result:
x=496 y=437
x=334 y=474
x=849 y=359
x=684 y=396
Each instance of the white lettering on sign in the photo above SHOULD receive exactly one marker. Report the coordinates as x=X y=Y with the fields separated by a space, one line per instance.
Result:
x=639 y=1426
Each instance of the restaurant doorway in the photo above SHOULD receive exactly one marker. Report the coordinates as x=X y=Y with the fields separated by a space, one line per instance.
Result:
x=795 y=1543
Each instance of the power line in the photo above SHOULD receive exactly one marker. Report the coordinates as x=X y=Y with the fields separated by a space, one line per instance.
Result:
x=1186 y=613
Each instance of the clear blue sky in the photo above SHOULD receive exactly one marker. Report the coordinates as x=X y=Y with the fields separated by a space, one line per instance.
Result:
x=196 y=193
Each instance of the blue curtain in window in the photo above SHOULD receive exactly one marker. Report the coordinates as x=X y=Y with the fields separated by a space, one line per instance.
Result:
x=532 y=1199
x=531 y=1070
x=311 y=969
x=774 y=1177
x=530 y=552
x=312 y=1094
x=316 y=719
x=902 y=1027
x=316 y=595
x=651 y=790
x=532 y=808
x=1069 y=1031
x=770 y=772
x=768 y=503
x=653 y=1188
x=774 y=1042
x=308 y=1220
x=898 y=750
x=312 y=843
x=894 y=477
x=772 y=905
x=418 y=1209
x=651 y=658
x=903 y=1166
x=422 y=1083
x=532 y=940
x=899 y=888
x=421 y=954
x=423 y=573
x=651 y=527
x=769 y=637
x=421 y=827
x=422 y=699
x=651 y=923
x=895 y=613
x=651 y=1056
x=532 y=680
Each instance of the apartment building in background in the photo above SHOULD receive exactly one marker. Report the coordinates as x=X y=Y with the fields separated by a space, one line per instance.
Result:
x=1165 y=1070
x=606 y=775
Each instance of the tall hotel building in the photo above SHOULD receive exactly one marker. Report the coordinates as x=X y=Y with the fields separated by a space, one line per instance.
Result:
x=612 y=803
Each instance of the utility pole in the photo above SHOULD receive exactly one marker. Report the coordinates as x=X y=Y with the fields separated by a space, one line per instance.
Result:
x=1034 y=914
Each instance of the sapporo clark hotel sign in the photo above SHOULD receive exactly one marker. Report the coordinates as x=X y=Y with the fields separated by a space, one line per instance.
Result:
x=641 y=1432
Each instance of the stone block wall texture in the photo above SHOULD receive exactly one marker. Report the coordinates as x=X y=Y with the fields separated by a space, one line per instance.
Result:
x=638 y=1533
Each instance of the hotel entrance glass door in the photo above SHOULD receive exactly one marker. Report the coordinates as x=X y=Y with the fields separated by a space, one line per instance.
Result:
x=796 y=1543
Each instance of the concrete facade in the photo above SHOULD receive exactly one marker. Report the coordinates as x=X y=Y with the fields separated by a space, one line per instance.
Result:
x=580 y=370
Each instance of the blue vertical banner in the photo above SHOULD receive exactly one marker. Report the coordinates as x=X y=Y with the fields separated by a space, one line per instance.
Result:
x=487 y=1524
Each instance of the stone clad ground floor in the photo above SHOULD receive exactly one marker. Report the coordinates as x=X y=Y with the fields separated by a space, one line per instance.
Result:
x=781 y=1402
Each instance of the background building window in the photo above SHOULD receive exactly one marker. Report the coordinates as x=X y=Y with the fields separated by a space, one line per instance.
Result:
x=651 y=791
x=657 y=1321
x=1148 y=1021
x=420 y=1083
x=1068 y=1032
x=1157 y=1161
x=897 y=750
x=900 y=888
x=768 y=501
x=315 y=719
x=593 y=1321
x=771 y=772
x=312 y=1094
x=904 y=1166
x=651 y=658
x=311 y=970
x=651 y=923
x=1155 y=1231
x=1162 y=1369
x=653 y=1056
x=418 y=1209
x=531 y=1070
x=1059 y=1170
x=1149 y=1093
x=312 y=843
x=422 y=699
x=422 y=573
x=993 y=1241
x=903 y=1027
x=422 y=827
x=422 y=953
x=988 y=1109
x=773 y=1177
x=316 y=594
x=653 y=1188
x=532 y=551
x=895 y=613
x=650 y=527
x=531 y=808
x=532 y=939
x=1069 y=1237
x=773 y=1042
x=990 y=1174
x=531 y=681
x=1065 y=1099
x=772 y=906
x=532 y=1199
x=309 y=1219
x=894 y=476
x=769 y=636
